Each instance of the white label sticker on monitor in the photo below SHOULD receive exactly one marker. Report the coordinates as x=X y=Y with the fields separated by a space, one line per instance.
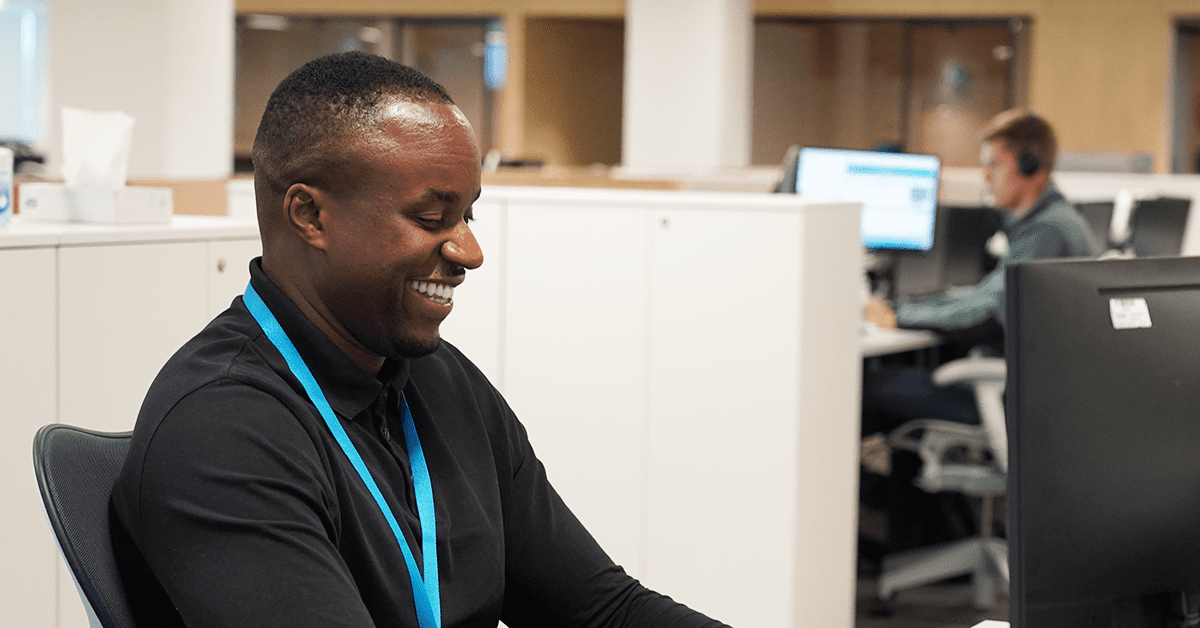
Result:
x=1129 y=313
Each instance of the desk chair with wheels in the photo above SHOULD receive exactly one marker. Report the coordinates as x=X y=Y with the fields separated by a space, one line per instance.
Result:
x=75 y=470
x=970 y=459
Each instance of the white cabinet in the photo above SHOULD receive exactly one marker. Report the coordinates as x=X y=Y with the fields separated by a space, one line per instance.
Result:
x=123 y=310
x=91 y=314
x=723 y=414
x=27 y=389
x=228 y=271
x=687 y=366
x=753 y=413
x=577 y=287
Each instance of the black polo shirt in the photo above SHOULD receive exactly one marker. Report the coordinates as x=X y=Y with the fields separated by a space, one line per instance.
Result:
x=236 y=507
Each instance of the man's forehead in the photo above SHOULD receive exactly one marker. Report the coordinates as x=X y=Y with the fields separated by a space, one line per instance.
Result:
x=425 y=123
x=423 y=113
x=990 y=149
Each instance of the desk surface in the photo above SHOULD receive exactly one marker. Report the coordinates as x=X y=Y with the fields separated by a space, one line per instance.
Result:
x=25 y=233
x=877 y=341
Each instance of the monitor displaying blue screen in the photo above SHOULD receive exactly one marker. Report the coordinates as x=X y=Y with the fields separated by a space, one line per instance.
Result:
x=898 y=192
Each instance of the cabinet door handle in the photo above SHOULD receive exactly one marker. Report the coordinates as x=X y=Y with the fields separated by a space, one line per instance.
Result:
x=220 y=264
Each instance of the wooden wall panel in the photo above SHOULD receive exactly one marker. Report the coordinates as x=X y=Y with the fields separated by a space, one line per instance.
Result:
x=574 y=79
x=958 y=86
x=825 y=84
x=1099 y=69
x=1189 y=152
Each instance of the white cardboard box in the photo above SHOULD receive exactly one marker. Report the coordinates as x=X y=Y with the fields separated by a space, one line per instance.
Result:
x=130 y=204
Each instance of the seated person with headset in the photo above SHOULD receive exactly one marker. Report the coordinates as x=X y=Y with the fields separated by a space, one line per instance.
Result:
x=1017 y=155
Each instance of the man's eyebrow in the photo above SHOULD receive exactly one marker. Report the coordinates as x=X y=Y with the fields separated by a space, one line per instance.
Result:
x=440 y=196
x=448 y=197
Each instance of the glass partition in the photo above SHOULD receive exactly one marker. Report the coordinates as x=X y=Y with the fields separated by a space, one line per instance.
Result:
x=451 y=51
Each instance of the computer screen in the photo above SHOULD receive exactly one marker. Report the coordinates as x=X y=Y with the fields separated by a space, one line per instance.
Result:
x=898 y=192
x=1103 y=415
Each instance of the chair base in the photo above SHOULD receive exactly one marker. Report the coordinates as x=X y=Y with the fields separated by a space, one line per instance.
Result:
x=985 y=559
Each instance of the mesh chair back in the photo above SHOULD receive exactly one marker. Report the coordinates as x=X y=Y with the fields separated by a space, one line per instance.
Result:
x=1158 y=226
x=1098 y=215
x=76 y=469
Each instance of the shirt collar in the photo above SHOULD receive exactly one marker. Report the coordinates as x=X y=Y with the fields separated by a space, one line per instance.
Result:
x=348 y=388
x=1048 y=197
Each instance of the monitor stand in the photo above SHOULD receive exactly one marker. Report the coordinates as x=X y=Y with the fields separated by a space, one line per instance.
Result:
x=879 y=270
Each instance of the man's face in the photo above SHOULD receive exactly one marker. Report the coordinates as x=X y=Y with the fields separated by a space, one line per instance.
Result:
x=1000 y=174
x=397 y=239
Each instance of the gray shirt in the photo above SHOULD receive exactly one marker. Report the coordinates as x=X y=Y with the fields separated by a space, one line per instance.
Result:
x=1052 y=228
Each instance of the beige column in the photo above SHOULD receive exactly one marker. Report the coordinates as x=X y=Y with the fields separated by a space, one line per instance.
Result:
x=687 y=85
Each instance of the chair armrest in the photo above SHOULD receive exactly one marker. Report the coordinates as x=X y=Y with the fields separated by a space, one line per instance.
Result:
x=971 y=370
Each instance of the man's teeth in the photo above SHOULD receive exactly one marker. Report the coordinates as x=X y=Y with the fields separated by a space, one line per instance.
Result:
x=437 y=292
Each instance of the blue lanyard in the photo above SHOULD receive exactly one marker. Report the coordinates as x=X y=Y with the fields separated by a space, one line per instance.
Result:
x=425 y=590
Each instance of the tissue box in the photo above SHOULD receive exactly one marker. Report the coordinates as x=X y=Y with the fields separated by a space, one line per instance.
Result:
x=129 y=204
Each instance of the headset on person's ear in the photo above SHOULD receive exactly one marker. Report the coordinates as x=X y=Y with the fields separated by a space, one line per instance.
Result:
x=1028 y=163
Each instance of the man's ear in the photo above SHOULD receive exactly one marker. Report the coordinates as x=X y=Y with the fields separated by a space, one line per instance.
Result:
x=303 y=205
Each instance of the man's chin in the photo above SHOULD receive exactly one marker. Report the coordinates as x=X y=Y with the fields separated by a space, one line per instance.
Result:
x=409 y=348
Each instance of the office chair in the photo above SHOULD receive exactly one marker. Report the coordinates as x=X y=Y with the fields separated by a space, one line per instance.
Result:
x=75 y=470
x=1099 y=216
x=970 y=459
x=1157 y=226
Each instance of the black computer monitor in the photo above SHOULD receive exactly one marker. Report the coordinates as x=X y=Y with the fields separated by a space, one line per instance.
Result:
x=1103 y=414
x=898 y=192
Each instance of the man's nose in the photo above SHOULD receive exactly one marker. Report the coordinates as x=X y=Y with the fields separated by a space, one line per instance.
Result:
x=462 y=248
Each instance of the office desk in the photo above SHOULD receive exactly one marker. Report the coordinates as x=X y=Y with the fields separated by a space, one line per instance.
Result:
x=876 y=341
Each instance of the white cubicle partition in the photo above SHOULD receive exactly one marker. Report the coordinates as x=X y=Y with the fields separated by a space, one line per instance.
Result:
x=687 y=366
x=686 y=363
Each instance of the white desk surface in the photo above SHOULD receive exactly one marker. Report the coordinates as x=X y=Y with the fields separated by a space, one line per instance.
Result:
x=877 y=341
x=991 y=623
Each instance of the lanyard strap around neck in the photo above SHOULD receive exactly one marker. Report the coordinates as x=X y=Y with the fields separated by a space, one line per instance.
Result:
x=426 y=592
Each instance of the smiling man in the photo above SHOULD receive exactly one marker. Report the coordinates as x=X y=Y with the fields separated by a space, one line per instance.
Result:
x=317 y=456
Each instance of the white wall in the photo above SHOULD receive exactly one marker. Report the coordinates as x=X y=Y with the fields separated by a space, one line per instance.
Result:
x=168 y=63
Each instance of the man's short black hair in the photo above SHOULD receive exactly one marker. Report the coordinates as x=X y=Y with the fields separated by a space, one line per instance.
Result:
x=320 y=105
